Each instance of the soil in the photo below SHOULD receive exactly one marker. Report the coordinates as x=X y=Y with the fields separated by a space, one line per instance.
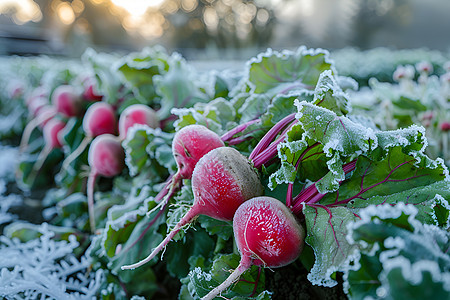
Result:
x=291 y=283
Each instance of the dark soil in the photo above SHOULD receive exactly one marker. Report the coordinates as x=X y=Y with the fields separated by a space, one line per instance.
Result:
x=291 y=283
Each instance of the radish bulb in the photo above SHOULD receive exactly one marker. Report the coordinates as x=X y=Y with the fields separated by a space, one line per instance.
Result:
x=99 y=119
x=67 y=101
x=189 y=145
x=136 y=114
x=222 y=180
x=106 y=157
x=267 y=234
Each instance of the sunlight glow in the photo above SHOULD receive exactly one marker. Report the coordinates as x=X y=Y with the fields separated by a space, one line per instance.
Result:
x=137 y=7
x=66 y=13
x=23 y=11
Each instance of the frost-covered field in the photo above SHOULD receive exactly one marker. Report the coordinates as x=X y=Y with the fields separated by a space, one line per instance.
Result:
x=350 y=151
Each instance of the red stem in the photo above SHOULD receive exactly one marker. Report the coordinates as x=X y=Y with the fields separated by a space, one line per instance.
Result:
x=228 y=135
x=190 y=215
x=90 y=197
x=311 y=195
x=271 y=134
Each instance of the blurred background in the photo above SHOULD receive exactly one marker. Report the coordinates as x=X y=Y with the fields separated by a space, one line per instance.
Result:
x=200 y=29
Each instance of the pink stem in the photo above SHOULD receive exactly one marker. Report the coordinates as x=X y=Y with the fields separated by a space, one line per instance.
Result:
x=270 y=135
x=244 y=265
x=90 y=197
x=228 y=135
x=289 y=198
x=190 y=215
x=271 y=151
x=311 y=195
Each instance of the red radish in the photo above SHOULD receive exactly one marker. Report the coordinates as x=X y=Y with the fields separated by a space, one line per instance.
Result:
x=43 y=115
x=15 y=88
x=445 y=126
x=106 y=157
x=35 y=94
x=99 y=119
x=136 y=114
x=267 y=234
x=222 y=180
x=36 y=105
x=51 y=132
x=67 y=101
x=189 y=144
x=90 y=94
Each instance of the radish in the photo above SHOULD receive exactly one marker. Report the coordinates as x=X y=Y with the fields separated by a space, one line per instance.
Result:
x=36 y=105
x=221 y=181
x=99 y=119
x=38 y=92
x=136 y=114
x=67 y=101
x=52 y=138
x=44 y=114
x=189 y=144
x=90 y=93
x=266 y=234
x=106 y=157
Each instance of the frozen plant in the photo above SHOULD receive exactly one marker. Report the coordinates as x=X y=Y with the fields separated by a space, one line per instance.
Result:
x=45 y=268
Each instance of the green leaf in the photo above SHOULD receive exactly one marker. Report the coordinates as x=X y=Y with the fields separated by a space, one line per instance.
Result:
x=108 y=81
x=280 y=72
x=409 y=104
x=138 y=72
x=326 y=234
x=222 y=229
x=222 y=267
x=147 y=149
x=177 y=255
x=336 y=133
x=399 y=256
x=128 y=238
x=329 y=94
x=178 y=87
x=215 y=115
x=283 y=105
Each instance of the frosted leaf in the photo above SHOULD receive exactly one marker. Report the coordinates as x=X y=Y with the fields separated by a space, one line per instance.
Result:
x=286 y=174
x=49 y=270
x=144 y=145
x=399 y=256
x=330 y=95
x=204 y=281
x=326 y=234
x=6 y=202
x=287 y=69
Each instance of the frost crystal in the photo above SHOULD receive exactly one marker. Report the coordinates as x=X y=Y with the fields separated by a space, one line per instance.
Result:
x=46 y=269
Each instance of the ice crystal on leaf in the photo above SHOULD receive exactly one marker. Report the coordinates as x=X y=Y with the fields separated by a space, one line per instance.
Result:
x=399 y=256
x=45 y=268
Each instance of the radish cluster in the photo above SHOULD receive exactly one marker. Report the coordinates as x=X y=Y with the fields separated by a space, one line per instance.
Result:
x=100 y=122
x=106 y=156
x=222 y=180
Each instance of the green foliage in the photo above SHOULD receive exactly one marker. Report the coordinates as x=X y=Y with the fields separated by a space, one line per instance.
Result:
x=399 y=256
x=383 y=223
